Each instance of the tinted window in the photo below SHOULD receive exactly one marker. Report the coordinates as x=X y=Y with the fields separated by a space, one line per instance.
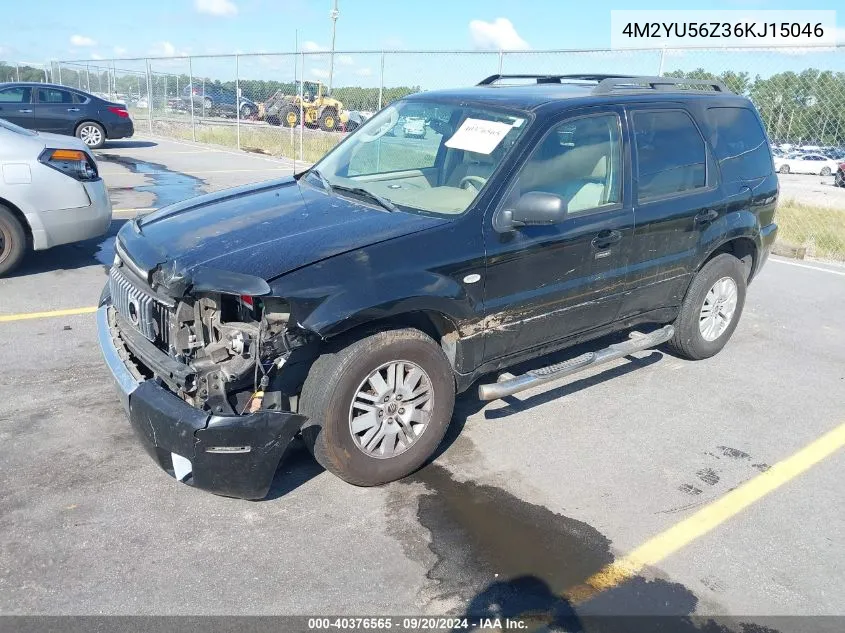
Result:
x=739 y=143
x=52 y=95
x=670 y=154
x=15 y=95
x=579 y=160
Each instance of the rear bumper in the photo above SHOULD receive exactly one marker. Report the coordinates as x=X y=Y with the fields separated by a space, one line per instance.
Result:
x=63 y=226
x=124 y=128
x=768 y=235
x=235 y=456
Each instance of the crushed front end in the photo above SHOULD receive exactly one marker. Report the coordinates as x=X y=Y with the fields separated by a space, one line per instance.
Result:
x=198 y=362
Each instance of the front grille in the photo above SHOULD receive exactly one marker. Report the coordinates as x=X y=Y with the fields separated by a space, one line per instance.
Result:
x=140 y=307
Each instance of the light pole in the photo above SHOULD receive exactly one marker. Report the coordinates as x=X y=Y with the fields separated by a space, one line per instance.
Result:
x=333 y=15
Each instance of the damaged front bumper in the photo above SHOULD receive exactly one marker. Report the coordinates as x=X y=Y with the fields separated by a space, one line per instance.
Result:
x=235 y=456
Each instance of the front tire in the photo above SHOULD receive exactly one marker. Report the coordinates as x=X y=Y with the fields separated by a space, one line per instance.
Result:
x=784 y=169
x=328 y=121
x=365 y=425
x=840 y=179
x=826 y=171
x=711 y=309
x=12 y=241
x=92 y=134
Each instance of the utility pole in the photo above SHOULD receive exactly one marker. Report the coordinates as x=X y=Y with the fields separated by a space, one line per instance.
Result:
x=333 y=15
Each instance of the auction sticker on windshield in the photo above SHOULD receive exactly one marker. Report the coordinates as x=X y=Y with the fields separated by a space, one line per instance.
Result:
x=479 y=136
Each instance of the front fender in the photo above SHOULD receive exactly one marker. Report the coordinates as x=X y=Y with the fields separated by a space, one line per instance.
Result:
x=346 y=306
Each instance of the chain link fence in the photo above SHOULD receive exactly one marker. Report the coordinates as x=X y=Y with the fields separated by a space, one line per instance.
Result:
x=299 y=105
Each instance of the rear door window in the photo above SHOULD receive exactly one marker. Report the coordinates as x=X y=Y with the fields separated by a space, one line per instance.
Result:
x=671 y=156
x=739 y=143
x=53 y=95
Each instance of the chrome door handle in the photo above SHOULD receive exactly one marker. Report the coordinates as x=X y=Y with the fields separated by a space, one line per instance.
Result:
x=73 y=109
x=606 y=239
x=706 y=217
x=26 y=111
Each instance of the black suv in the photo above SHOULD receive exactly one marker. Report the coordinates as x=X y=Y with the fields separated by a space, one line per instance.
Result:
x=352 y=301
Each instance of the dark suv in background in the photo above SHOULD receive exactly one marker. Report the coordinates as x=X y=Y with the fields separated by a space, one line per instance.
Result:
x=212 y=100
x=352 y=301
x=63 y=110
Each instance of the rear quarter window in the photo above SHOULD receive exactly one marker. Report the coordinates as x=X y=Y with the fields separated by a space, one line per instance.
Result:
x=739 y=143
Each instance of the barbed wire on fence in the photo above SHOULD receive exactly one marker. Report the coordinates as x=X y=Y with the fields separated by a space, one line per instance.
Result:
x=279 y=104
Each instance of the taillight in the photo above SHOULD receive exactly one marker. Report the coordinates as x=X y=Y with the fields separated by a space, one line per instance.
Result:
x=247 y=301
x=121 y=112
x=71 y=162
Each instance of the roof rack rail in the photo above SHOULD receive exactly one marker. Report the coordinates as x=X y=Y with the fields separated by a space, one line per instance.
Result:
x=606 y=84
x=611 y=84
x=546 y=79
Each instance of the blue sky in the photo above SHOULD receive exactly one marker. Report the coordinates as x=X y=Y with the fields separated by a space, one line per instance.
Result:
x=57 y=29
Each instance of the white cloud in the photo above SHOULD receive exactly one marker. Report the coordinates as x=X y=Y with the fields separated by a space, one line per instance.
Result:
x=96 y=56
x=313 y=47
x=364 y=72
x=82 y=40
x=319 y=73
x=166 y=49
x=497 y=35
x=120 y=51
x=393 y=43
x=224 y=8
x=344 y=60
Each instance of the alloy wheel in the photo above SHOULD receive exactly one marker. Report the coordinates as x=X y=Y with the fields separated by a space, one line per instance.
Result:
x=391 y=409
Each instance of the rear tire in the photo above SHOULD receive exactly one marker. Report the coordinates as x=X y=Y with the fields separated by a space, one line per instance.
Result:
x=826 y=171
x=92 y=134
x=840 y=179
x=340 y=380
x=12 y=241
x=784 y=169
x=698 y=336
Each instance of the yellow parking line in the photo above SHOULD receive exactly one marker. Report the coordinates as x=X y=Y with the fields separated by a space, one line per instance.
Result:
x=5 y=318
x=709 y=517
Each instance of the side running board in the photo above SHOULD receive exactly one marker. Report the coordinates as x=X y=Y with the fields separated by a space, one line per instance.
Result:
x=508 y=385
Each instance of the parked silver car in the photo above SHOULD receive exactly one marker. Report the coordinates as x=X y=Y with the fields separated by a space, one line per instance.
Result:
x=50 y=193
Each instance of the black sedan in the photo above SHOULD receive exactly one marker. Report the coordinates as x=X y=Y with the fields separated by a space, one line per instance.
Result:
x=63 y=110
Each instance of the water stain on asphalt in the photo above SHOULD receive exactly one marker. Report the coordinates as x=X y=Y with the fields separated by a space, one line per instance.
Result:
x=167 y=186
x=733 y=453
x=496 y=555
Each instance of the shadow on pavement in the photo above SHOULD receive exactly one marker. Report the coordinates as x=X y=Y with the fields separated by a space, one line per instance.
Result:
x=99 y=250
x=128 y=144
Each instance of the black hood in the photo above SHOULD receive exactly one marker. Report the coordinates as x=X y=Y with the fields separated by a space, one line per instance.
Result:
x=265 y=230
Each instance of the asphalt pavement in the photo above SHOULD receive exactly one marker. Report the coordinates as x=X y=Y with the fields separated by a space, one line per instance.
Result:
x=530 y=496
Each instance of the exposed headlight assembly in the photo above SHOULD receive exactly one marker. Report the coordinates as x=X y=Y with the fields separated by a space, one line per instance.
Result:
x=71 y=162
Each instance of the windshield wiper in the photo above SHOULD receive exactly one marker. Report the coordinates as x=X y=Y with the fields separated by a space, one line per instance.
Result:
x=365 y=193
x=323 y=180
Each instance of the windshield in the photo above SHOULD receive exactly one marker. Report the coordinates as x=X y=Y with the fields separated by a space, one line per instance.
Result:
x=427 y=156
x=15 y=128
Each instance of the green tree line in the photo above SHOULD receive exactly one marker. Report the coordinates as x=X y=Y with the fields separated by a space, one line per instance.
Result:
x=807 y=107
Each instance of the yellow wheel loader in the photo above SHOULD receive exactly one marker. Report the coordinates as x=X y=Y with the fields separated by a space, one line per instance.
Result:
x=314 y=105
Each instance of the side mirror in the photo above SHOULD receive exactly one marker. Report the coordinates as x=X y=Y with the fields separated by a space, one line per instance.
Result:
x=533 y=208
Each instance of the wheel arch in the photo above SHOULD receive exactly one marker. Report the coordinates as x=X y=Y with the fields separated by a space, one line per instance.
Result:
x=744 y=248
x=19 y=215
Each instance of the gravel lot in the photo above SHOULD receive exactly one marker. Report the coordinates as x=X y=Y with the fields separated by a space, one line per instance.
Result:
x=812 y=190
x=529 y=497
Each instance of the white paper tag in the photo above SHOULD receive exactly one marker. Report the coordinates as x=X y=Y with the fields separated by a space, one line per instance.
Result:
x=479 y=136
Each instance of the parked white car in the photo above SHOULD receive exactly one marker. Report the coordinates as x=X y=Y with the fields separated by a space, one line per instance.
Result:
x=414 y=126
x=805 y=164
x=50 y=193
